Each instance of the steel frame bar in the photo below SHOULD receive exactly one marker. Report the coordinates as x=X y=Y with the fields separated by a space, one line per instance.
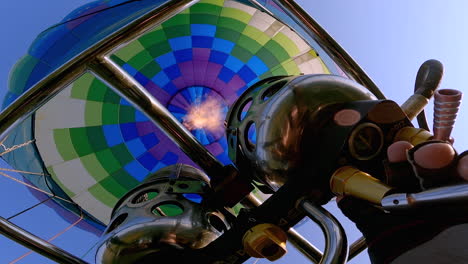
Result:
x=304 y=246
x=37 y=244
x=357 y=247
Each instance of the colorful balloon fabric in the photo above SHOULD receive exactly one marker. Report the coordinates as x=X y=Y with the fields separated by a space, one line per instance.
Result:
x=96 y=146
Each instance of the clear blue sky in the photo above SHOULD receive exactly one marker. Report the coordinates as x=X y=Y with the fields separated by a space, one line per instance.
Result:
x=389 y=39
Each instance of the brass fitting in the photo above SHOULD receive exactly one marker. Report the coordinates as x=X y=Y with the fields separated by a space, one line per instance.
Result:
x=265 y=241
x=348 y=180
x=413 y=135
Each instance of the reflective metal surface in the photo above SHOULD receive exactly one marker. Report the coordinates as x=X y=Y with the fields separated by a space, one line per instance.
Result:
x=442 y=195
x=304 y=246
x=157 y=218
x=357 y=247
x=269 y=132
x=336 y=247
x=37 y=244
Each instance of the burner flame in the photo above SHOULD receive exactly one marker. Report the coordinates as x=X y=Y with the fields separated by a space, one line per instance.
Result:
x=206 y=115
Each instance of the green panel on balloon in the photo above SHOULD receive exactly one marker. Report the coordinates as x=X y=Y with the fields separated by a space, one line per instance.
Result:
x=199 y=61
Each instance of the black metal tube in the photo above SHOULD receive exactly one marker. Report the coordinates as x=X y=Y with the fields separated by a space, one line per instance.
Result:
x=37 y=244
x=357 y=247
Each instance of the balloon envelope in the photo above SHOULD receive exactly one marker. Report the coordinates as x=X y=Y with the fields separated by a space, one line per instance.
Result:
x=91 y=146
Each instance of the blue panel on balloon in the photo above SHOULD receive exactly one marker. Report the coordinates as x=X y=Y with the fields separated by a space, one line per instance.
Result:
x=218 y=57
x=125 y=102
x=150 y=140
x=136 y=147
x=203 y=30
x=174 y=110
x=166 y=60
x=42 y=45
x=139 y=77
x=148 y=161
x=170 y=88
x=200 y=136
x=173 y=72
x=161 y=79
x=222 y=45
x=195 y=93
x=132 y=71
x=40 y=70
x=159 y=166
x=112 y=134
x=140 y=117
x=170 y=158
x=226 y=74
x=247 y=74
x=194 y=197
x=183 y=55
x=136 y=170
x=129 y=131
x=58 y=49
x=202 y=42
x=257 y=65
x=234 y=64
x=181 y=43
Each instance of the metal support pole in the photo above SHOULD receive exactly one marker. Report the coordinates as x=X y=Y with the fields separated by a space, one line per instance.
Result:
x=304 y=246
x=357 y=247
x=130 y=89
x=336 y=245
x=37 y=244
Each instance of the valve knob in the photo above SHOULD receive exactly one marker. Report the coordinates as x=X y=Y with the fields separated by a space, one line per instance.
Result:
x=265 y=241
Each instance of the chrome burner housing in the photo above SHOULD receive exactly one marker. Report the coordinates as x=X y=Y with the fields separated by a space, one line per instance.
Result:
x=164 y=214
x=265 y=127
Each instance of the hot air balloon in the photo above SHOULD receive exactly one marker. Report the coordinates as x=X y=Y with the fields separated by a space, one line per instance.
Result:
x=81 y=142
x=203 y=57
